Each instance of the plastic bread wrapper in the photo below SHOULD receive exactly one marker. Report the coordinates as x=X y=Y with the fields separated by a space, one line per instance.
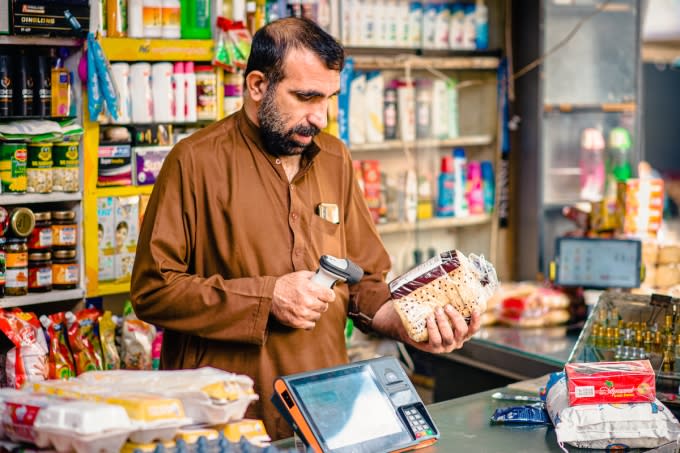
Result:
x=464 y=282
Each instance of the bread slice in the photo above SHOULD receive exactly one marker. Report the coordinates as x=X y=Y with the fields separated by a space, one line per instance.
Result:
x=451 y=278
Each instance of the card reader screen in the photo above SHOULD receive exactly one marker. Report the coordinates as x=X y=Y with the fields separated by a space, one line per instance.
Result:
x=596 y=263
x=347 y=408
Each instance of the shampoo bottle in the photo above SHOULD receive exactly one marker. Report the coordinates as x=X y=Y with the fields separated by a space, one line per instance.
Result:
x=445 y=188
x=460 y=207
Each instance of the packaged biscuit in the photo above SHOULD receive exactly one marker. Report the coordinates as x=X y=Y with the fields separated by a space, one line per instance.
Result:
x=610 y=382
x=465 y=282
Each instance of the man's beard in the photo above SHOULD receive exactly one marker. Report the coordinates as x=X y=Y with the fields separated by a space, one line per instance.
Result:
x=277 y=140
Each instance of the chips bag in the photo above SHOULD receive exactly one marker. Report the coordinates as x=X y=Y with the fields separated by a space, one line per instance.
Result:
x=60 y=360
x=84 y=340
x=107 y=335
x=27 y=360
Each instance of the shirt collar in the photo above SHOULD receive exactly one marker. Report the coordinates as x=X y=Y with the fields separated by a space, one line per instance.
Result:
x=253 y=133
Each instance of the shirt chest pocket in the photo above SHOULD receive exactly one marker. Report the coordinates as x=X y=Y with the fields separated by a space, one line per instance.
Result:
x=328 y=238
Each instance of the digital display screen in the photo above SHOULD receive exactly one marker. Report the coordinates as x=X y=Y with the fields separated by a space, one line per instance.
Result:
x=598 y=263
x=349 y=411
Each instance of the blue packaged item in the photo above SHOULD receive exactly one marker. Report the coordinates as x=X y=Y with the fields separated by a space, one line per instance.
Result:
x=520 y=415
x=445 y=188
x=346 y=76
x=488 y=186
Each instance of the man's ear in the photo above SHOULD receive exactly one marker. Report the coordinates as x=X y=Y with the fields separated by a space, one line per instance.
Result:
x=256 y=84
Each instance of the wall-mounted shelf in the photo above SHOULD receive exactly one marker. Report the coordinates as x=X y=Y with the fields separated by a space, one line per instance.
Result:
x=108 y=288
x=41 y=298
x=667 y=52
x=144 y=49
x=400 y=62
x=614 y=107
x=31 y=198
x=470 y=140
x=14 y=40
x=434 y=223
x=123 y=191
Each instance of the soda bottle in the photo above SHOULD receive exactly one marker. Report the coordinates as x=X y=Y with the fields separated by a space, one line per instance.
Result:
x=592 y=164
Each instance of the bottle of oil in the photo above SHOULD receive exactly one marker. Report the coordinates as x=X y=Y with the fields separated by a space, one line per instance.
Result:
x=668 y=356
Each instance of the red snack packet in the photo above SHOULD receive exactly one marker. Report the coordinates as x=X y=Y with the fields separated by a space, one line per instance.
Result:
x=84 y=340
x=610 y=382
x=60 y=360
x=27 y=361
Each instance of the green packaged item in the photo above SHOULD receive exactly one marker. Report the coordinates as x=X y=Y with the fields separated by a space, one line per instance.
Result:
x=66 y=167
x=39 y=168
x=13 y=167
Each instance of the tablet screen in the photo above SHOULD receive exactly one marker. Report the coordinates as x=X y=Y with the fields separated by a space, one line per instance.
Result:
x=349 y=411
x=598 y=263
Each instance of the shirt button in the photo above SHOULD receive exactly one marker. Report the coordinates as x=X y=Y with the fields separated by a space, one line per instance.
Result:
x=294 y=216
x=278 y=161
x=292 y=187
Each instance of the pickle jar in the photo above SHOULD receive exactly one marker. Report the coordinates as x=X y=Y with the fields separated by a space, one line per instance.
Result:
x=39 y=272
x=21 y=222
x=64 y=229
x=65 y=269
x=16 y=265
x=41 y=236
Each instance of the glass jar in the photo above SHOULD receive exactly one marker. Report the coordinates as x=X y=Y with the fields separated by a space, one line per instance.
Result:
x=16 y=264
x=21 y=222
x=65 y=269
x=39 y=272
x=41 y=237
x=64 y=229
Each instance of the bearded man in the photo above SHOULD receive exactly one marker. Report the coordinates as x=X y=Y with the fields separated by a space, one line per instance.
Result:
x=233 y=232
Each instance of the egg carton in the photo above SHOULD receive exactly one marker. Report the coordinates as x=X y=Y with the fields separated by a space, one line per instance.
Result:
x=67 y=441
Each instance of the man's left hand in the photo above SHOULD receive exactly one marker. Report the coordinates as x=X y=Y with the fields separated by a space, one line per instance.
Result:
x=447 y=330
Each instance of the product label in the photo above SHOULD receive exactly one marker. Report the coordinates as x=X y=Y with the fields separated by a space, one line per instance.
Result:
x=171 y=17
x=152 y=16
x=585 y=392
x=64 y=235
x=17 y=278
x=64 y=274
x=41 y=238
x=16 y=259
x=42 y=277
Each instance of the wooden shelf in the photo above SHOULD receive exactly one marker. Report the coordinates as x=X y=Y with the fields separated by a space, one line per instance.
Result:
x=22 y=40
x=470 y=140
x=32 y=198
x=124 y=191
x=434 y=224
x=41 y=298
x=661 y=52
x=106 y=289
x=400 y=62
x=614 y=107
x=144 y=49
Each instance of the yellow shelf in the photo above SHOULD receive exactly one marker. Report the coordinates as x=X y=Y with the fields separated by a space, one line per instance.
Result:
x=124 y=191
x=106 y=289
x=144 y=49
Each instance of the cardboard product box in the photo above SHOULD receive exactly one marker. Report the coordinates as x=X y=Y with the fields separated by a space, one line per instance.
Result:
x=114 y=167
x=46 y=17
x=148 y=161
x=610 y=382
x=106 y=241
x=126 y=232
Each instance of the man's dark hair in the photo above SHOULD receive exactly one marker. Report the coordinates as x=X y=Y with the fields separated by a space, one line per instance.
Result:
x=272 y=43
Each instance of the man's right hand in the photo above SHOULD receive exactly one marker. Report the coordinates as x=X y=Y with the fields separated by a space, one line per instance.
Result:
x=298 y=302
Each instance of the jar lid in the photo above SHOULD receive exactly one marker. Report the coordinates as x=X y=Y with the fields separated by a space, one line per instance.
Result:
x=65 y=254
x=42 y=216
x=22 y=221
x=39 y=256
x=64 y=215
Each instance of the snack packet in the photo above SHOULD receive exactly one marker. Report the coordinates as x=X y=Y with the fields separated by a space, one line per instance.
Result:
x=84 y=340
x=107 y=335
x=60 y=361
x=136 y=338
x=27 y=360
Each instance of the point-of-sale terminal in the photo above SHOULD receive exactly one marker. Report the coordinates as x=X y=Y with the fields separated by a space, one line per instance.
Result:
x=363 y=407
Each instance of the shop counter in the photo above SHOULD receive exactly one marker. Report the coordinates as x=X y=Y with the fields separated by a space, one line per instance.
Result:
x=464 y=426
x=497 y=356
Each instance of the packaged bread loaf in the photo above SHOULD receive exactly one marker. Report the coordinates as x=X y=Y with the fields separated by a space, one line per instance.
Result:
x=465 y=282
